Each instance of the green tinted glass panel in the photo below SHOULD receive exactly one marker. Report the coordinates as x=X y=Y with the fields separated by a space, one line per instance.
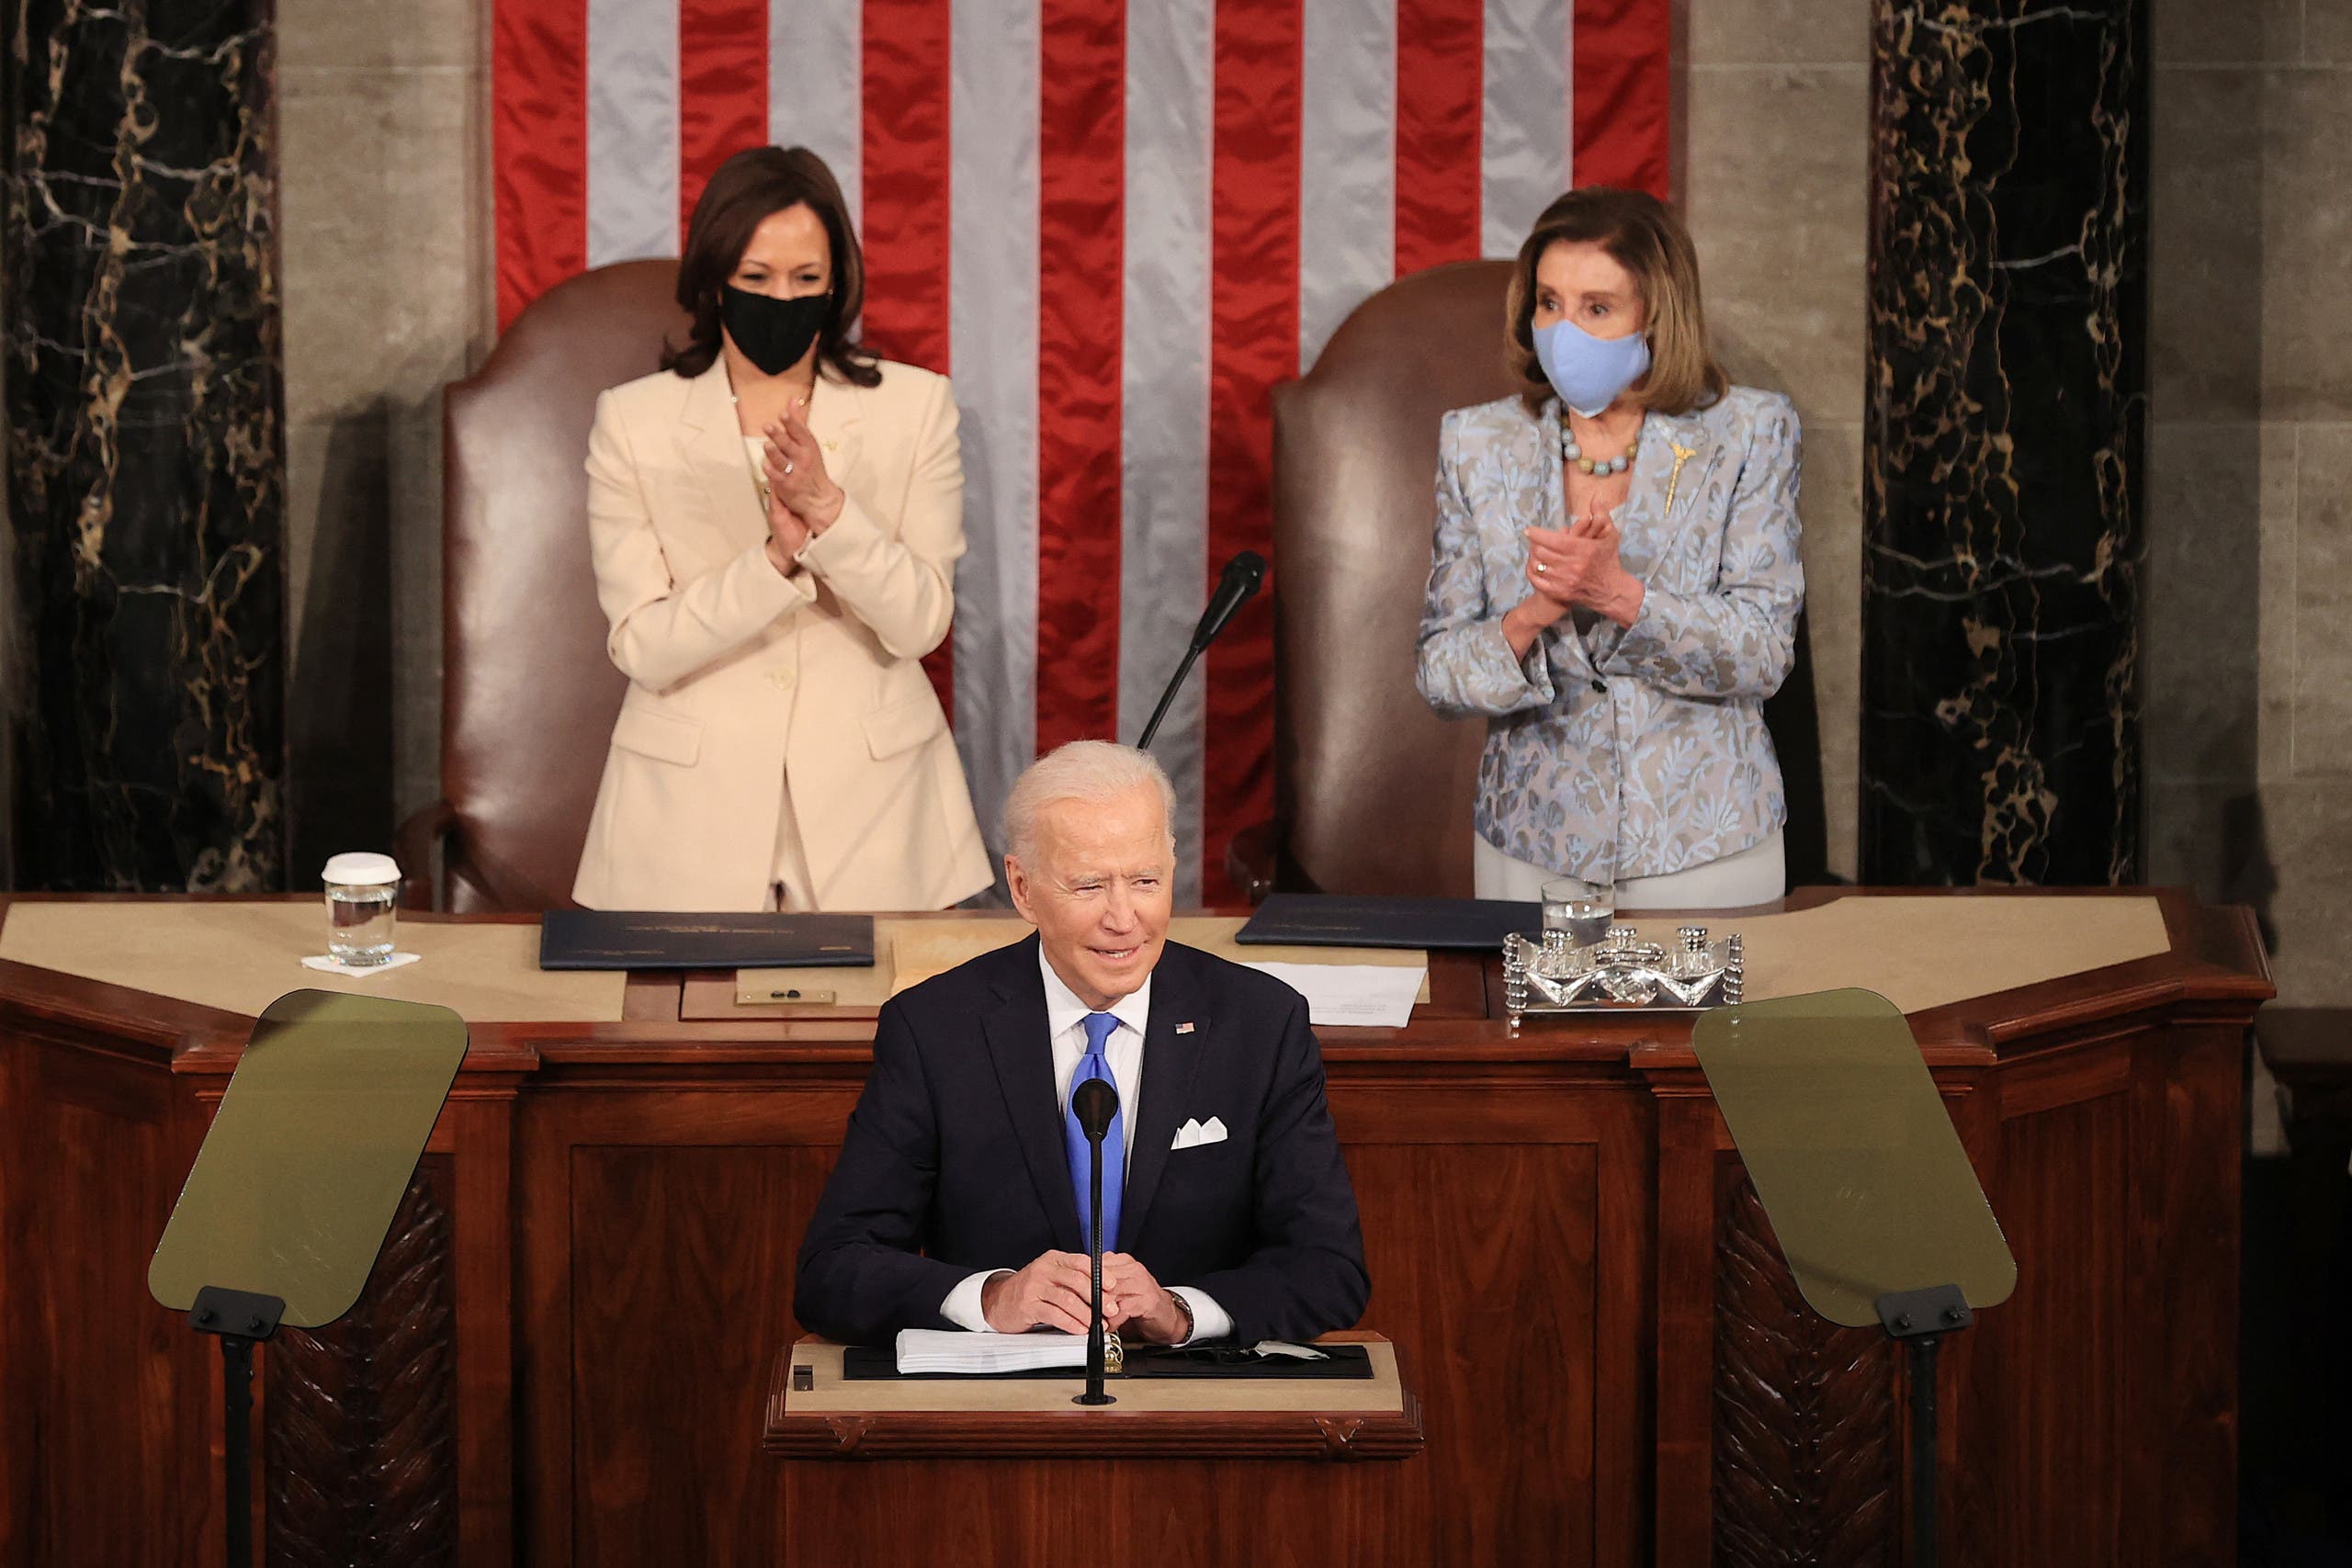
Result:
x=1851 y=1151
x=314 y=1144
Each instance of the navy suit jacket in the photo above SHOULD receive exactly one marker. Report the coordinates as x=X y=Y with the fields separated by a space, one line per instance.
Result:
x=954 y=1160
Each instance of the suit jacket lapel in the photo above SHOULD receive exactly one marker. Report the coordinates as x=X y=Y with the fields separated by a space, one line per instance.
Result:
x=1016 y=1029
x=710 y=441
x=1171 y=1062
x=837 y=418
x=1670 y=466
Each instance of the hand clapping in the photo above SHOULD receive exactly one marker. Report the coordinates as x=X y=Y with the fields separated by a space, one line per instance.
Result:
x=1578 y=567
x=803 y=501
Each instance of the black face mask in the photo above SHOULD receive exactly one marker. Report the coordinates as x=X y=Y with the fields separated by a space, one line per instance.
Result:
x=773 y=333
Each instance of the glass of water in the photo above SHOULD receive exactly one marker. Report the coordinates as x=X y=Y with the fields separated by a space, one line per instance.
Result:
x=1580 y=911
x=362 y=891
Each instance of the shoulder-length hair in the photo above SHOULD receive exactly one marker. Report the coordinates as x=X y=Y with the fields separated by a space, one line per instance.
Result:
x=743 y=191
x=1642 y=235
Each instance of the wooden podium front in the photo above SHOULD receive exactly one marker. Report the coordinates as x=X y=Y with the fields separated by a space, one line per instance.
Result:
x=1179 y=1471
x=569 y=1362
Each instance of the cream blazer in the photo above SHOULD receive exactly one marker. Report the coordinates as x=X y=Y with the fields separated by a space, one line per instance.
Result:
x=742 y=679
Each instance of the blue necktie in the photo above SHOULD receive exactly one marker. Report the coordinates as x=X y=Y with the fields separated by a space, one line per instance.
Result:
x=1095 y=1065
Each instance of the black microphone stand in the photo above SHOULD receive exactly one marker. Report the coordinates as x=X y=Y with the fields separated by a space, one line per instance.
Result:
x=1095 y=1103
x=1235 y=587
x=1094 y=1394
x=1143 y=741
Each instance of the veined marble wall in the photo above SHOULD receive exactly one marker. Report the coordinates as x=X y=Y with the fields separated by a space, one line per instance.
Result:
x=146 y=716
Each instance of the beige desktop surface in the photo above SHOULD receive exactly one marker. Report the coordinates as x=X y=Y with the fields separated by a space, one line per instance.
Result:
x=1917 y=952
x=240 y=957
x=1922 y=952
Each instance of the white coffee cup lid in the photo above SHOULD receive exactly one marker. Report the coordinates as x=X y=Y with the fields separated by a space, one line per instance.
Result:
x=362 y=870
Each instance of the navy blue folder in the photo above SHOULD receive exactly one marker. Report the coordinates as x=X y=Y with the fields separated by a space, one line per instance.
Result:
x=623 y=938
x=1327 y=919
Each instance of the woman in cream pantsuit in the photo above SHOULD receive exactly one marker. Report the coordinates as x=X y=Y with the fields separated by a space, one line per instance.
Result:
x=776 y=520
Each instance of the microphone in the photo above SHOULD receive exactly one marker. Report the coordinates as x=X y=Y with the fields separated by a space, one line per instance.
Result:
x=1235 y=585
x=1094 y=1102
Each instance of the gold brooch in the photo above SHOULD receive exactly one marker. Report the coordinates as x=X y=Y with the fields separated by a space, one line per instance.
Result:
x=1682 y=455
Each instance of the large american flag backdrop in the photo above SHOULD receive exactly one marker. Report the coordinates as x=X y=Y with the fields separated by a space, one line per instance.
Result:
x=1117 y=224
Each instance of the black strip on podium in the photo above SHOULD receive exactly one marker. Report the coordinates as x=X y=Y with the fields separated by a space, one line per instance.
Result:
x=872 y=1363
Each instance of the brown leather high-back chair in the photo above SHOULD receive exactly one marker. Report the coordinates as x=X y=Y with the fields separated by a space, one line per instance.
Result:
x=1373 y=791
x=528 y=692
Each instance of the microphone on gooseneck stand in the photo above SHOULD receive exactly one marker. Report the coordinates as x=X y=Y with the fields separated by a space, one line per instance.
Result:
x=1239 y=581
x=1095 y=1102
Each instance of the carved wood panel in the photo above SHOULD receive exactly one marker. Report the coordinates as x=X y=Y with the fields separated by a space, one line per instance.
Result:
x=361 y=1423
x=682 y=1261
x=1808 y=1431
x=1483 y=1269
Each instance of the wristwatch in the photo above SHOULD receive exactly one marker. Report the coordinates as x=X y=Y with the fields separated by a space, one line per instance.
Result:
x=1186 y=1308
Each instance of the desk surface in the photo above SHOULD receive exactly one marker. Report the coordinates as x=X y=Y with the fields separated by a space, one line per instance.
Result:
x=1921 y=951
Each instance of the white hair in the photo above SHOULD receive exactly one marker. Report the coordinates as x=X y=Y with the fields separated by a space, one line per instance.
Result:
x=1091 y=770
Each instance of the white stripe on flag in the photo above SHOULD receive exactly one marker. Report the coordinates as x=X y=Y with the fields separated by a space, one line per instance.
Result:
x=1567 y=98
x=993 y=304
x=815 y=65
x=632 y=130
x=1346 y=218
x=1524 y=163
x=1164 y=425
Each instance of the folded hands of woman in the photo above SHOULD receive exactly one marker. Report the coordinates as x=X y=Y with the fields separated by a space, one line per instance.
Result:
x=1578 y=567
x=803 y=500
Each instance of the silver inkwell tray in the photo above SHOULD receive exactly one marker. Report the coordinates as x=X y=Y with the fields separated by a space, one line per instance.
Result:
x=1621 y=973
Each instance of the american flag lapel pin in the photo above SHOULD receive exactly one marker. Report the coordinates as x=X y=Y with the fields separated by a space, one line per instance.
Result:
x=1184 y=1028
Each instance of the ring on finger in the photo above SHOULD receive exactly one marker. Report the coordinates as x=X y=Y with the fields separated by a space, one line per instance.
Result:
x=1540 y=568
x=788 y=464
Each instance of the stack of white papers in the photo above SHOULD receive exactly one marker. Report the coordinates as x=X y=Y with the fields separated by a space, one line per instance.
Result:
x=956 y=1350
x=1363 y=996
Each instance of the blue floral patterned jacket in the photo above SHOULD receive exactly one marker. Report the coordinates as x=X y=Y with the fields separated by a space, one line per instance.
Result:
x=1623 y=752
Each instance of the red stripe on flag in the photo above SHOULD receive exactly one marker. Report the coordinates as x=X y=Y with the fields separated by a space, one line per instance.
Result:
x=722 y=90
x=1081 y=154
x=1441 y=75
x=538 y=118
x=904 y=165
x=904 y=161
x=1622 y=88
x=1253 y=343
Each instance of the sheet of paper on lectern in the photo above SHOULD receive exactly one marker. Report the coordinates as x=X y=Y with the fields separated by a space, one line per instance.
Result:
x=1352 y=995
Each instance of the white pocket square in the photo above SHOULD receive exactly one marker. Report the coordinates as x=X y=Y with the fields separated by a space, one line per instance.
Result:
x=1192 y=1133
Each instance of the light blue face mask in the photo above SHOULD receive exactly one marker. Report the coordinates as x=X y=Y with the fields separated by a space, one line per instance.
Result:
x=1587 y=371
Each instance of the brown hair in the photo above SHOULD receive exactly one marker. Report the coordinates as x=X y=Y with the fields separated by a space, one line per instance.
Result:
x=743 y=192
x=1644 y=238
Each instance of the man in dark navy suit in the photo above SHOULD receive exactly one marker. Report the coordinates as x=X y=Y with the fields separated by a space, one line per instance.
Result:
x=959 y=1197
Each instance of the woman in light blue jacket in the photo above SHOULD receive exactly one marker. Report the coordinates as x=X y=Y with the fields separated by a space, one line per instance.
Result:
x=1614 y=580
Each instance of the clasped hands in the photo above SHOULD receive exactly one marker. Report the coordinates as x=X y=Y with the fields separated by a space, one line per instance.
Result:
x=1577 y=568
x=803 y=500
x=1054 y=1293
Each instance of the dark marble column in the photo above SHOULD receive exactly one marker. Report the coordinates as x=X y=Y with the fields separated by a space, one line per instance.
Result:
x=146 y=453
x=2006 y=424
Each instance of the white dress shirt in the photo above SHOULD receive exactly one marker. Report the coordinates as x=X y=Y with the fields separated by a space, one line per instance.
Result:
x=1066 y=1028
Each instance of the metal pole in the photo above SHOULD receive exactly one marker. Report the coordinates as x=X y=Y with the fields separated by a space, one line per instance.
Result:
x=237 y=1409
x=1923 y=1451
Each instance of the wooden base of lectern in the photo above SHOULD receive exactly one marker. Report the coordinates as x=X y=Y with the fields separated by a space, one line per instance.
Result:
x=1007 y=1471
